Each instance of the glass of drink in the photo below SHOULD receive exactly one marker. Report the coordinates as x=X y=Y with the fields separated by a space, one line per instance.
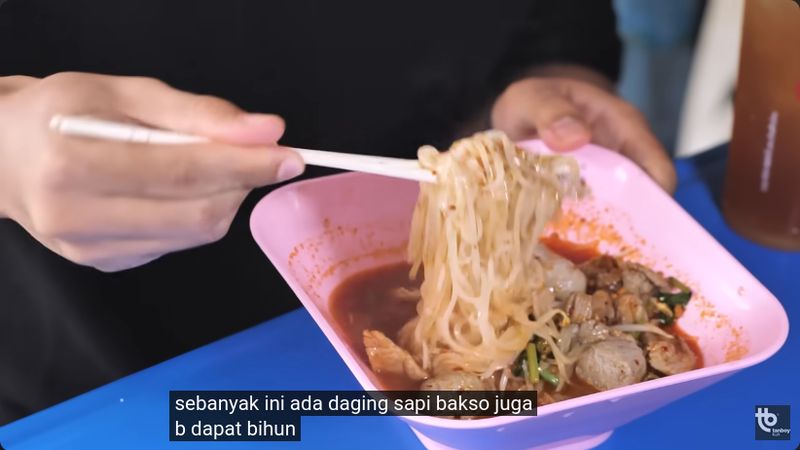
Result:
x=761 y=197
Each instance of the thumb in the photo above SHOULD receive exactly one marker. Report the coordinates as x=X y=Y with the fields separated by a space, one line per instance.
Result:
x=565 y=133
x=155 y=103
x=542 y=107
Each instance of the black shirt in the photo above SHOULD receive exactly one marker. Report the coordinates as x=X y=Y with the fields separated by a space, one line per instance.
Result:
x=350 y=75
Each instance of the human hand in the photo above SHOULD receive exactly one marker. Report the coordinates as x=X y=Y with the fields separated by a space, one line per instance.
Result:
x=568 y=113
x=114 y=205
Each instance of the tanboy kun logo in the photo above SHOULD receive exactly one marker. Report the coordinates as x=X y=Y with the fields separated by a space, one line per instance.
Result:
x=772 y=422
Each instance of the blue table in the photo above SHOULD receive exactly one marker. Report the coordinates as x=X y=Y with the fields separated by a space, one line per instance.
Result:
x=290 y=352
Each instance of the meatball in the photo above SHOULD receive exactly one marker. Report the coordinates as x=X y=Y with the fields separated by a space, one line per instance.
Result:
x=611 y=363
x=670 y=356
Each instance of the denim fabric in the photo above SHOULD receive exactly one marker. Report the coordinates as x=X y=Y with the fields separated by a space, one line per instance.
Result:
x=658 y=38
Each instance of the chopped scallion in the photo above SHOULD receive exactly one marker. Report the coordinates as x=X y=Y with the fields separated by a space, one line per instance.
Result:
x=533 y=363
x=681 y=298
x=548 y=376
x=674 y=282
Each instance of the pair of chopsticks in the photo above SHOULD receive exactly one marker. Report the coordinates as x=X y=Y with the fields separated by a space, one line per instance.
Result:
x=408 y=169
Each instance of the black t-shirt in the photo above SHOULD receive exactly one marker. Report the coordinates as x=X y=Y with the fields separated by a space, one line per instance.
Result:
x=350 y=75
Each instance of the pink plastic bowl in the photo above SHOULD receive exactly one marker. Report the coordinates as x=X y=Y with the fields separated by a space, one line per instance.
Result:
x=319 y=232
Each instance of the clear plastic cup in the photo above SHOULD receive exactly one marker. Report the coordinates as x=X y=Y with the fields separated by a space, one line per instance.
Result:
x=761 y=198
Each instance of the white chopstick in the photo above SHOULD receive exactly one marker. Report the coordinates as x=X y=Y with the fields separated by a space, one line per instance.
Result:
x=90 y=127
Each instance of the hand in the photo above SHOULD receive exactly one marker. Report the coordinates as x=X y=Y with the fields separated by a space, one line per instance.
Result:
x=567 y=113
x=115 y=205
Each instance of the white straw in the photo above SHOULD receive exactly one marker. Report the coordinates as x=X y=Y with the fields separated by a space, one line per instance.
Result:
x=105 y=129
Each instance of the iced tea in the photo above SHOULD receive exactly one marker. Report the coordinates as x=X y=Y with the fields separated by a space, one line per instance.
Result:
x=761 y=199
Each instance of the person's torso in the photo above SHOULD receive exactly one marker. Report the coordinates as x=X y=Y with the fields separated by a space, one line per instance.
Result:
x=354 y=75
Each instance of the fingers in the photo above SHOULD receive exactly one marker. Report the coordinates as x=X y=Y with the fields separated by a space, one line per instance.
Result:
x=157 y=104
x=164 y=170
x=116 y=205
x=118 y=233
x=116 y=264
x=622 y=127
x=644 y=149
x=15 y=82
x=540 y=106
x=203 y=115
x=121 y=255
x=566 y=114
x=186 y=221
x=167 y=171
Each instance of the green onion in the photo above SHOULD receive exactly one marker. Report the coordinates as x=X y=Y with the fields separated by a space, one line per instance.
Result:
x=533 y=363
x=672 y=300
x=664 y=319
x=681 y=298
x=674 y=282
x=518 y=368
x=548 y=376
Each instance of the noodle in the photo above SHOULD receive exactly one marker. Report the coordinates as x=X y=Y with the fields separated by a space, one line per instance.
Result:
x=642 y=327
x=474 y=234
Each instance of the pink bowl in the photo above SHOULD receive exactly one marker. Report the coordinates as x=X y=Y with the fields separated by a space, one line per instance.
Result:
x=318 y=232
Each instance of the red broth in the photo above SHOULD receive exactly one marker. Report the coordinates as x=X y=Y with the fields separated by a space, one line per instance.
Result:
x=363 y=302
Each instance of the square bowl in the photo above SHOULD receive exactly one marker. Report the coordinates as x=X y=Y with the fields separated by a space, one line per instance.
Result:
x=319 y=232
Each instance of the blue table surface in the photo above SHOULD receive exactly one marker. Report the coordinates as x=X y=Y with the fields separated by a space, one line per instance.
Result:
x=291 y=353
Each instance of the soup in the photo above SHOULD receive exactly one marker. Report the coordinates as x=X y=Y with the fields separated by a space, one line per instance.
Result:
x=487 y=304
x=383 y=298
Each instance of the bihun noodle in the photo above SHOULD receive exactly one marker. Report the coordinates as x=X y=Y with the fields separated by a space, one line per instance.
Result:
x=474 y=233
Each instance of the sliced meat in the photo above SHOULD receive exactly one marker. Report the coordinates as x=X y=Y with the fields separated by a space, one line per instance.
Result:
x=638 y=279
x=669 y=356
x=454 y=381
x=611 y=363
x=387 y=357
x=579 y=307
x=576 y=336
x=602 y=307
x=560 y=274
x=603 y=272
x=629 y=308
x=592 y=331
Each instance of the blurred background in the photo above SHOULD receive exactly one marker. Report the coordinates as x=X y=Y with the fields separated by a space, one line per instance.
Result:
x=679 y=67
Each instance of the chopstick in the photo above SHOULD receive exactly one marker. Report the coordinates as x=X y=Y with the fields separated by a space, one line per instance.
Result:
x=90 y=127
